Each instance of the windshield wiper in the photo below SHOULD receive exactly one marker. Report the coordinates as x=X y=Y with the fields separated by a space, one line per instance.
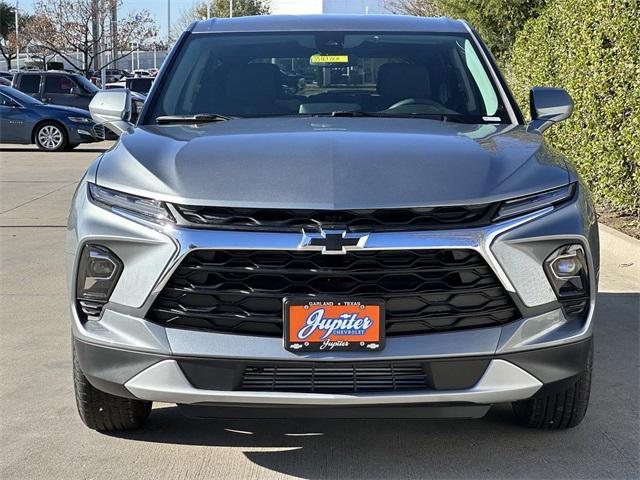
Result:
x=198 y=118
x=340 y=113
x=351 y=113
x=453 y=118
x=443 y=117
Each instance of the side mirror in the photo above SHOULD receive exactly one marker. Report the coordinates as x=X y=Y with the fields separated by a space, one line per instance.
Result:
x=76 y=91
x=113 y=109
x=548 y=106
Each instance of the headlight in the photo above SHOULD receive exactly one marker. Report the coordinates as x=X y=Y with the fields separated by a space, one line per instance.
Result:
x=522 y=205
x=80 y=119
x=145 y=208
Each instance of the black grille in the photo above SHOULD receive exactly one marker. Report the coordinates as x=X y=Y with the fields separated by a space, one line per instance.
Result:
x=91 y=309
x=392 y=219
x=335 y=378
x=98 y=131
x=424 y=290
x=575 y=307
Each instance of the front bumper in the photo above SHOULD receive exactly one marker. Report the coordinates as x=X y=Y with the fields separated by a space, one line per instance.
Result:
x=481 y=380
x=85 y=133
x=514 y=249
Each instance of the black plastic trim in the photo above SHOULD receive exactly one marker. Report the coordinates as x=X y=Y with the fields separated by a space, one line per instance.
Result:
x=108 y=369
x=460 y=410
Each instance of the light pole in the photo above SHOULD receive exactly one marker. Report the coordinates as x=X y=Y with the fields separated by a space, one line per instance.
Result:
x=17 y=42
x=230 y=8
x=168 y=23
x=114 y=34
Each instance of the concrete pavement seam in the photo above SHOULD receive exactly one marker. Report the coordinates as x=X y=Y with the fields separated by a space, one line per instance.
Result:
x=38 y=198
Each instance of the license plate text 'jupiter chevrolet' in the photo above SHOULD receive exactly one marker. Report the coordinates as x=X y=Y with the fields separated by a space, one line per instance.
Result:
x=332 y=216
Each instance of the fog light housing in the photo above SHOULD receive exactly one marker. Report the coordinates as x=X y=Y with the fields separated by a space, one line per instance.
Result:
x=568 y=273
x=98 y=272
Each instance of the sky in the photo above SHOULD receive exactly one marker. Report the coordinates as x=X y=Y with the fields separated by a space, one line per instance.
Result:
x=158 y=9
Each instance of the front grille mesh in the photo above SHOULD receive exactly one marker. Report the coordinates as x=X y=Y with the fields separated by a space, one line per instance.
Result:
x=372 y=220
x=423 y=290
x=99 y=131
x=335 y=378
x=92 y=309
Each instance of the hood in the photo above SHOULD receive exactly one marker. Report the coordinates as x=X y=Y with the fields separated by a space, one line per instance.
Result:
x=331 y=163
x=67 y=110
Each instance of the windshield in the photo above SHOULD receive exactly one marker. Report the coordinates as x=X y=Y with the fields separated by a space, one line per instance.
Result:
x=387 y=74
x=86 y=84
x=23 y=98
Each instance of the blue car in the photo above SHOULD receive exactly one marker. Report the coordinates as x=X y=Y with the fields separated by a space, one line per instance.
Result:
x=25 y=120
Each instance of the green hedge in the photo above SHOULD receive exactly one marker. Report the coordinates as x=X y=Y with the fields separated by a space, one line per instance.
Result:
x=592 y=49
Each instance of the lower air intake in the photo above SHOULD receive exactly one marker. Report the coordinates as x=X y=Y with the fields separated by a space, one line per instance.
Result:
x=335 y=378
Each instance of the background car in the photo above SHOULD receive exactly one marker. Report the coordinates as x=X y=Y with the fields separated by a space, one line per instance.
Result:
x=26 y=120
x=114 y=74
x=58 y=88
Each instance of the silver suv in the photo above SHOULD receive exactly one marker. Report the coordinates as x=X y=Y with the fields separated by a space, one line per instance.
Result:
x=343 y=216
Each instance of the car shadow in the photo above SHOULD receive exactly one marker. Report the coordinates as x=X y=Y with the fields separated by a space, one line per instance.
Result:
x=332 y=448
x=492 y=447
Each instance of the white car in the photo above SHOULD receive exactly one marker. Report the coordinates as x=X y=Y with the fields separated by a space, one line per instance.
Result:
x=118 y=84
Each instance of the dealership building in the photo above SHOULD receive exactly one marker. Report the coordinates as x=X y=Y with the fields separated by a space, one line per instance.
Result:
x=302 y=7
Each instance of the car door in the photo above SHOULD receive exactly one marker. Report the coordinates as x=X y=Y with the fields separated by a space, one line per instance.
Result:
x=62 y=90
x=15 y=121
x=29 y=83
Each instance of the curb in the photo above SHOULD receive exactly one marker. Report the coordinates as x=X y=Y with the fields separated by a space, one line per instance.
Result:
x=618 y=243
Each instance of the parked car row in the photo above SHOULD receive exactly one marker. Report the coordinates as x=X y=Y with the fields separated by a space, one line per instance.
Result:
x=26 y=120
x=50 y=108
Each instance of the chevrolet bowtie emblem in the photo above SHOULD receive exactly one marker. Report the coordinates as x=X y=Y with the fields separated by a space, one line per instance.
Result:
x=333 y=242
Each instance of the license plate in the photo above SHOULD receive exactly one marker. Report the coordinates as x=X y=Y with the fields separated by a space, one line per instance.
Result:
x=333 y=325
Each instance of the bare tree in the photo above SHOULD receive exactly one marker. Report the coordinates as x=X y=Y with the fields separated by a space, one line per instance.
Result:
x=64 y=27
x=10 y=43
x=421 y=8
x=220 y=8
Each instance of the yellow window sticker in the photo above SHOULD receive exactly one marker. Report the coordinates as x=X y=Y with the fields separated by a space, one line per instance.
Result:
x=329 y=59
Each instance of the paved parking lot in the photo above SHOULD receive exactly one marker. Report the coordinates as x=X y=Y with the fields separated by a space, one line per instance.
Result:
x=41 y=435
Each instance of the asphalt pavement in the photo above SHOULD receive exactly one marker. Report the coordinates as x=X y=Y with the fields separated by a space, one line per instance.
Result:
x=41 y=435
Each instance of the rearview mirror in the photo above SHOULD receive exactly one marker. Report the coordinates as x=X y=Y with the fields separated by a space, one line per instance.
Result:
x=549 y=106
x=112 y=108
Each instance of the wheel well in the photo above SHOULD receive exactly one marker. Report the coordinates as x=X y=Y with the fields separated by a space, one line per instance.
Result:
x=47 y=120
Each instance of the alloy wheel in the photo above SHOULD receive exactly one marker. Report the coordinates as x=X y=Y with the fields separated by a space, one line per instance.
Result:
x=50 y=137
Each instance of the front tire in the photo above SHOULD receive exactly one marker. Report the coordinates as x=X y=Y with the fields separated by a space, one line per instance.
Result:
x=51 y=137
x=558 y=410
x=105 y=412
